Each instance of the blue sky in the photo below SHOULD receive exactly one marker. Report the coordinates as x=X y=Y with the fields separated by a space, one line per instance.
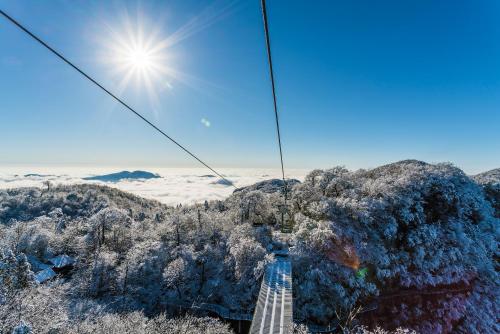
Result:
x=359 y=83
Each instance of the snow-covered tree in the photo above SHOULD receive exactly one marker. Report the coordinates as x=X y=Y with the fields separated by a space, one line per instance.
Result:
x=414 y=245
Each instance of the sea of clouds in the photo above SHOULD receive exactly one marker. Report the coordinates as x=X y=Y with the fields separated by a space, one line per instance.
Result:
x=176 y=185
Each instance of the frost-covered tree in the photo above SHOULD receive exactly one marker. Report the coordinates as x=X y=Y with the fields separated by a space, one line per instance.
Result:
x=108 y=227
x=408 y=225
x=22 y=328
x=15 y=271
x=414 y=245
x=176 y=275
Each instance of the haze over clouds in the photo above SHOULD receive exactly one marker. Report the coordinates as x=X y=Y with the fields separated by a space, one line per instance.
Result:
x=176 y=185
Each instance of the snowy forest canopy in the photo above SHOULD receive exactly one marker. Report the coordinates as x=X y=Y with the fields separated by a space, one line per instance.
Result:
x=409 y=245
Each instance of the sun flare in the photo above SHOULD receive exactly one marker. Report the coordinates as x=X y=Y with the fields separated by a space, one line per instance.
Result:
x=137 y=57
x=139 y=60
x=141 y=56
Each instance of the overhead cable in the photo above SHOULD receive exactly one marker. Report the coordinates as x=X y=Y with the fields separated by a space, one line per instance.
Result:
x=60 y=56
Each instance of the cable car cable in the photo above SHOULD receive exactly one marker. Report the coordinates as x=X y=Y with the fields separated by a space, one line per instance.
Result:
x=271 y=72
x=12 y=20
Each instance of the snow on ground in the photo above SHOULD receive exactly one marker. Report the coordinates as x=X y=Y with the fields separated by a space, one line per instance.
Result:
x=176 y=185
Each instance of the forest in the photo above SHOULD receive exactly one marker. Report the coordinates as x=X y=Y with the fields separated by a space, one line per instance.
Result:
x=405 y=247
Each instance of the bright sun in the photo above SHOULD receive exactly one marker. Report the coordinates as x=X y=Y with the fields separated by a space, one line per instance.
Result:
x=137 y=54
x=139 y=59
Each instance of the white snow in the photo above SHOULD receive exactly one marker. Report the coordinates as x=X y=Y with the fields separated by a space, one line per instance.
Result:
x=61 y=261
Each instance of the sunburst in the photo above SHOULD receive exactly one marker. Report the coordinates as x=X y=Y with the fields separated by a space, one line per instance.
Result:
x=137 y=57
x=139 y=54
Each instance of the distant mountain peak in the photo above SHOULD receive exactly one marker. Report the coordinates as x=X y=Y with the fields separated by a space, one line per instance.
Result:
x=223 y=182
x=123 y=175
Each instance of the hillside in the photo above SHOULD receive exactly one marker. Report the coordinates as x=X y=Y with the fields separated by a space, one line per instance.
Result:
x=489 y=177
x=413 y=244
x=490 y=181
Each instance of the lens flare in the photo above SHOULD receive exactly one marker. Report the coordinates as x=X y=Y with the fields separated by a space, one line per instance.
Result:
x=344 y=253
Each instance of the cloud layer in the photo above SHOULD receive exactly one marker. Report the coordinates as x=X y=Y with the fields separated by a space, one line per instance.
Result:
x=176 y=185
